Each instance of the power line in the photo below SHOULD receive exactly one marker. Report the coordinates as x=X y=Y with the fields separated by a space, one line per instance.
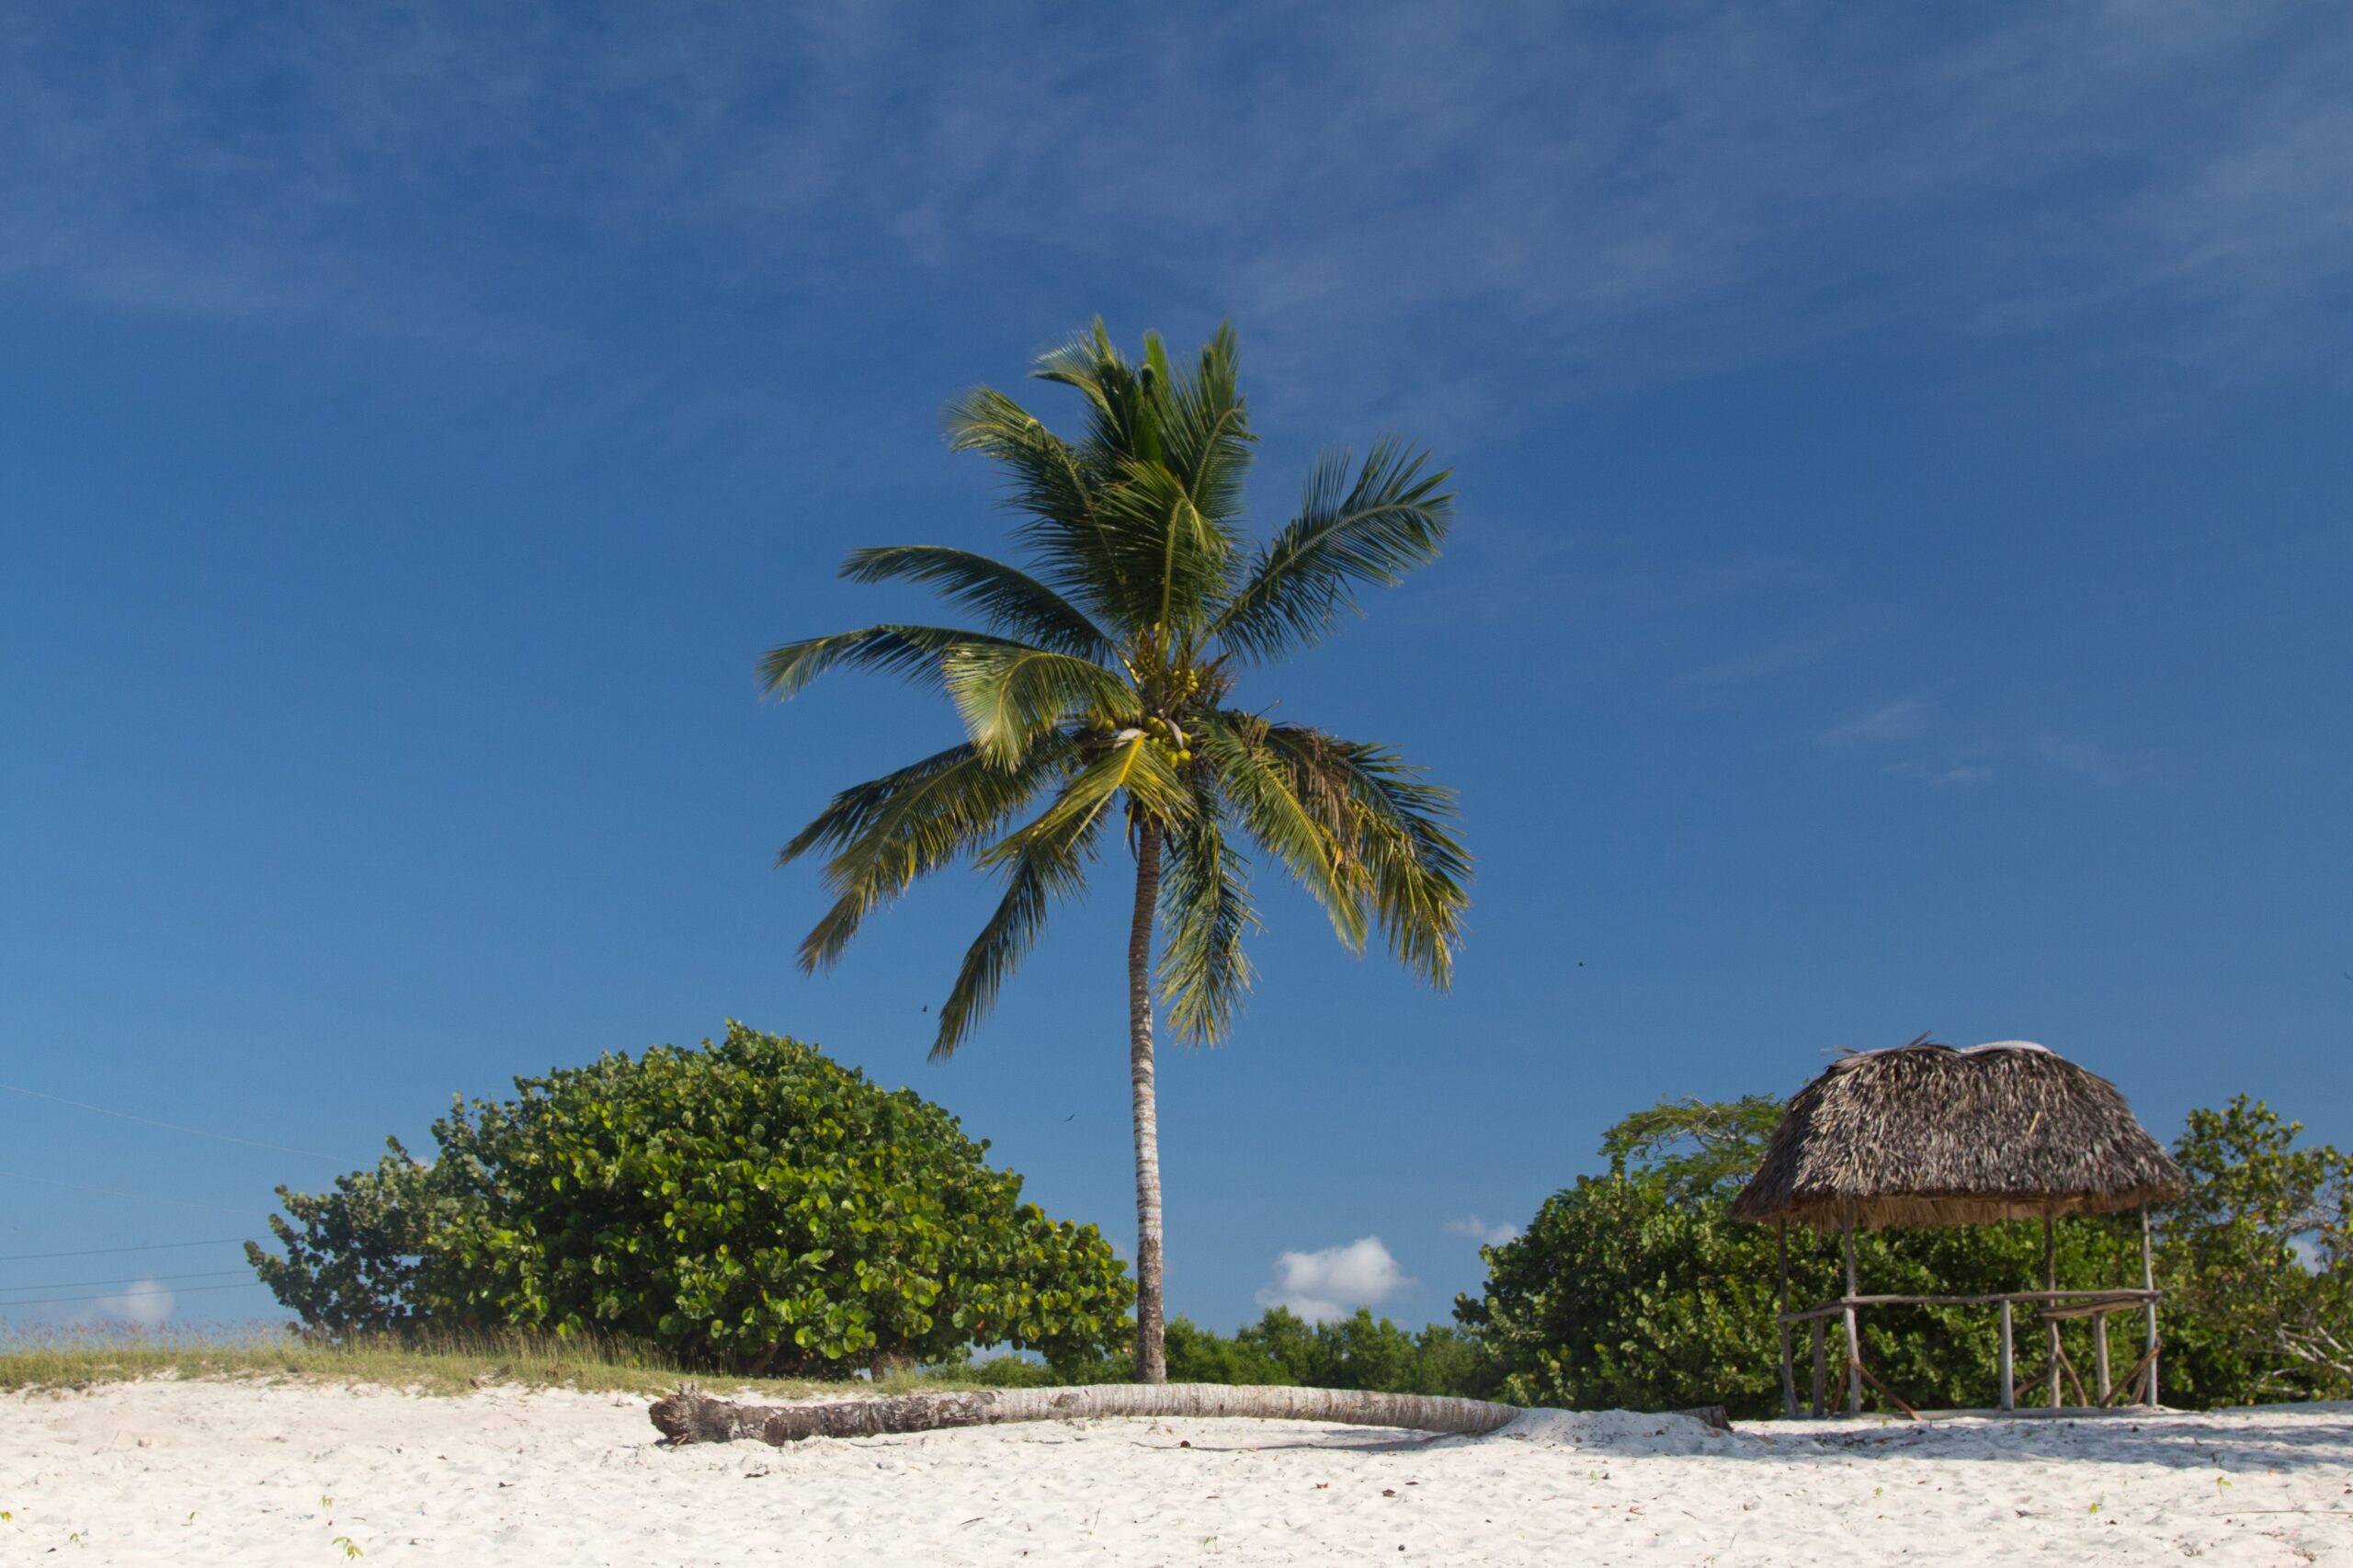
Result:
x=118 y=1192
x=100 y=1251
x=136 y=1279
x=116 y=1295
x=170 y=1126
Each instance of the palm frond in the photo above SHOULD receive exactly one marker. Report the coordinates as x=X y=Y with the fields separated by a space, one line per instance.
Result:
x=1206 y=425
x=1121 y=422
x=1051 y=481
x=1078 y=363
x=1282 y=809
x=1008 y=695
x=1180 y=557
x=915 y=651
x=1205 y=908
x=892 y=830
x=1048 y=865
x=1402 y=850
x=1390 y=519
x=1016 y=602
x=1133 y=764
x=1058 y=486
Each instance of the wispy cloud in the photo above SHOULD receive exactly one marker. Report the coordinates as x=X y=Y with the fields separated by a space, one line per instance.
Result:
x=1330 y=1284
x=1906 y=719
x=1946 y=777
x=1772 y=660
x=2088 y=758
x=1460 y=195
x=1483 y=1232
x=1932 y=753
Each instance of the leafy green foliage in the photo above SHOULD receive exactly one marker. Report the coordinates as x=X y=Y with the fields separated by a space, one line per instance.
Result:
x=360 y=1258
x=750 y=1206
x=1695 y=1151
x=1614 y=1297
x=1101 y=686
x=1637 y=1289
x=2259 y=1257
x=1280 y=1350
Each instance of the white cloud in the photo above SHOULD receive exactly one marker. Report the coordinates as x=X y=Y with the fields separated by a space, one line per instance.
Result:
x=1323 y=1285
x=1486 y=1234
x=147 y=1305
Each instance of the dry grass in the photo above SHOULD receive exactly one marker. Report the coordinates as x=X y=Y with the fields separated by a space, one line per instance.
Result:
x=80 y=1359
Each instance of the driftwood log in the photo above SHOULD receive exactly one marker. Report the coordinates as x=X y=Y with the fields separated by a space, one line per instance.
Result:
x=691 y=1415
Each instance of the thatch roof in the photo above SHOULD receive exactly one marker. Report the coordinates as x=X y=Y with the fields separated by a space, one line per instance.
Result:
x=1928 y=1135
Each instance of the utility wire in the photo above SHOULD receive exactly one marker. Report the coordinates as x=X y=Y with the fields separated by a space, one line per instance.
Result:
x=169 y=1126
x=100 y=1251
x=140 y=1280
x=116 y=1295
x=118 y=1192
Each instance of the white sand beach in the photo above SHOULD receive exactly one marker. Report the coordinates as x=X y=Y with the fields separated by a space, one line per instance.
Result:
x=207 y=1472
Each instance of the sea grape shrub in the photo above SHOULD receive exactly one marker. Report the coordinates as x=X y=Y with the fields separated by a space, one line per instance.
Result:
x=354 y=1256
x=2257 y=1259
x=1614 y=1298
x=750 y=1206
x=1638 y=1289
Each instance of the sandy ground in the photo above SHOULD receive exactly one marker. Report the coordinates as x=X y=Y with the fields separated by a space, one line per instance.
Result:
x=242 y=1473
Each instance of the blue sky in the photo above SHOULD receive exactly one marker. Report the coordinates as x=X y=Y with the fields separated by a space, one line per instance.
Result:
x=1899 y=586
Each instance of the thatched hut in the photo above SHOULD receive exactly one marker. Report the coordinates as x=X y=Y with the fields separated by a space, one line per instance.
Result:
x=1929 y=1135
x=1926 y=1134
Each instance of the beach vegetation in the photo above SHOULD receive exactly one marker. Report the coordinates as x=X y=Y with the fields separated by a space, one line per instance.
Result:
x=77 y=1358
x=1636 y=1289
x=2259 y=1256
x=749 y=1205
x=1102 y=694
x=1279 y=1350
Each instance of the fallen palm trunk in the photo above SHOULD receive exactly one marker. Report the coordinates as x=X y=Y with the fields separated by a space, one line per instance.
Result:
x=692 y=1416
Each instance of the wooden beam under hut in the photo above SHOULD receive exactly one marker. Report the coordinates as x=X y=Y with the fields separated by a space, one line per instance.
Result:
x=1789 y=1329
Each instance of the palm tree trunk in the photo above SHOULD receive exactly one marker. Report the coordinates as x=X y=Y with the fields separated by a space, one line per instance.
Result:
x=692 y=1416
x=1151 y=1360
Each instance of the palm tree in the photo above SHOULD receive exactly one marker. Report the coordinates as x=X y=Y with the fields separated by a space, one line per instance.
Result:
x=1103 y=686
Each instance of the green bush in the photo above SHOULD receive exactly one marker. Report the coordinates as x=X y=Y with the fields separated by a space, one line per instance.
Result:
x=2258 y=1259
x=750 y=1206
x=1637 y=1289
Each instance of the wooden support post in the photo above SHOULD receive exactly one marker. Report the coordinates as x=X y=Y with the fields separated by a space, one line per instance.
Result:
x=2009 y=1386
x=2051 y=1282
x=2099 y=1354
x=1821 y=1365
x=1854 y=1336
x=1789 y=1372
x=2149 y=1309
x=2132 y=1379
x=2069 y=1368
